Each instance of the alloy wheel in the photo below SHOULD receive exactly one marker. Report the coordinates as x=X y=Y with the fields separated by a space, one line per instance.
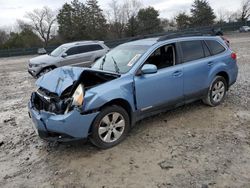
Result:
x=111 y=127
x=218 y=91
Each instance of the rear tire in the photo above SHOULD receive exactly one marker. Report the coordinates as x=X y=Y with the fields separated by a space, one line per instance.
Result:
x=110 y=127
x=217 y=91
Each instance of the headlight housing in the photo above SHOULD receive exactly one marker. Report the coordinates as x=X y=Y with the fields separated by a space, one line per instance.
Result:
x=77 y=98
x=38 y=65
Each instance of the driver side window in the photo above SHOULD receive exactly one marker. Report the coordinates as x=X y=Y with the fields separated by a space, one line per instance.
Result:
x=163 y=57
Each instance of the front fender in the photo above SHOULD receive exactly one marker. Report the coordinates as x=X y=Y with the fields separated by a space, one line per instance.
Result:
x=116 y=89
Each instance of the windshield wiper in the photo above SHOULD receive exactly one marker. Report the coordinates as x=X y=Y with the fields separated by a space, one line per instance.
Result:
x=103 y=61
x=116 y=66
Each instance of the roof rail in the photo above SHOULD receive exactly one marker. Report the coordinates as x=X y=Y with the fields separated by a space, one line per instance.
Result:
x=85 y=41
x=184 y=34
x=138 y=38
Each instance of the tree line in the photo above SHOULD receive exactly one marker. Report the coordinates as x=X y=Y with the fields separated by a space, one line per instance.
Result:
x=87 y=21
x=202 y=14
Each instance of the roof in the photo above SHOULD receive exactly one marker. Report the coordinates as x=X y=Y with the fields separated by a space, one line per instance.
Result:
x=146 y=42
x=152 y=41
x=82 y=42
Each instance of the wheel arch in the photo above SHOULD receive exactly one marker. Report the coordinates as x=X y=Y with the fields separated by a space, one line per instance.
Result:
x=49 y=66
x=96 y=58
x=122 y=103
x=225 y=75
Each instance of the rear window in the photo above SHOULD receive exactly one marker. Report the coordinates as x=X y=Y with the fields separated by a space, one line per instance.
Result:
x=192 y=50
x=89 y=48
x=215 y=47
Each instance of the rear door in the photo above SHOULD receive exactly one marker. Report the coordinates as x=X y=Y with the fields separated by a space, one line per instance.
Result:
x=85 y=55
x=196 y=68
x=89 y=53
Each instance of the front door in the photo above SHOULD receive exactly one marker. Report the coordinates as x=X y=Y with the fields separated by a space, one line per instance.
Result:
x=163 y=87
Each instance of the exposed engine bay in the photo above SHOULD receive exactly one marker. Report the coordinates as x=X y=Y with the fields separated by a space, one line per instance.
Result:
x=73 y=95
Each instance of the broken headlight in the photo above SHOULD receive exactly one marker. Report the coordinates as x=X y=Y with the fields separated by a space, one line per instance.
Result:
x=77 y=98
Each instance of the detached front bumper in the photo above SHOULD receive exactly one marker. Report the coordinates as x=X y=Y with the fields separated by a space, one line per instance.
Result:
x=66 y=127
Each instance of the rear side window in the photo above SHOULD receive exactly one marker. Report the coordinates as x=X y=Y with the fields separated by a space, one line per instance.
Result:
x=192 y=50
x=89 y=48
x=83 y=49
x=95 y=47
x=72 y=51
x=215 y=47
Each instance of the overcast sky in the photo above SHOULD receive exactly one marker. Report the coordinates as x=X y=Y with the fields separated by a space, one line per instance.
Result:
x=10 y=10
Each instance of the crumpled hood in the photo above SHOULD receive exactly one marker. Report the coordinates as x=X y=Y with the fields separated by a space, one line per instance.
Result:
x=43 y=59
x=59 y=79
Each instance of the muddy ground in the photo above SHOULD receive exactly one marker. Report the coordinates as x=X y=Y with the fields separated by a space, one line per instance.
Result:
x=192 y=146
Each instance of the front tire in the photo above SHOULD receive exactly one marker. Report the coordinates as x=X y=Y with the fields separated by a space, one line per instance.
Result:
x=110 y=127
x=217 y=91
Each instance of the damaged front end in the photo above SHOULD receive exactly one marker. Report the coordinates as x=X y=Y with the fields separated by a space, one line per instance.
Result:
x=57 y=107
x=44 y=100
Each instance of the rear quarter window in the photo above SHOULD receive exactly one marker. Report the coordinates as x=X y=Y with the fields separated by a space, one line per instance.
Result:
x=192 y=50
x=95 y=47
x=215 y=47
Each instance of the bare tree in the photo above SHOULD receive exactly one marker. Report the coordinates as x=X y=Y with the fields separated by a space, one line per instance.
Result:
x=131 y=8
x=116 y=18
x=232 y=16
x=245 y=10
x=221 y=15
x=43 y=22
x=118 y=14
x=22 y=25
x=3 y=36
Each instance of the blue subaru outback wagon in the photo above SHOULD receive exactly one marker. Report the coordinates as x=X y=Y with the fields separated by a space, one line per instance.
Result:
x=133 y=81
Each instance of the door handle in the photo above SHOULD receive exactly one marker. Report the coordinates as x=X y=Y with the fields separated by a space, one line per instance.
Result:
x=177 y=73
x=210 y=63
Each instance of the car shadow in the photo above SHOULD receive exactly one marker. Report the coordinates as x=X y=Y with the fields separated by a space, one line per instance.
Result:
x=87 y=149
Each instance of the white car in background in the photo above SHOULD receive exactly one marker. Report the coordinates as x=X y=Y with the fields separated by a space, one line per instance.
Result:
x=82 y=53
x=244 y=28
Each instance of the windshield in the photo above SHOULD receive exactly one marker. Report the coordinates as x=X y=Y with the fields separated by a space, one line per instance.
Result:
x=56 y=52
x=121 y=59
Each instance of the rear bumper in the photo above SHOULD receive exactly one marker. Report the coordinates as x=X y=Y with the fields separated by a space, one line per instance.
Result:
x=65 y=127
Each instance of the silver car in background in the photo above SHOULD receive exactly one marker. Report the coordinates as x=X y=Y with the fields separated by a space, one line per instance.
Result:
x=82 y=53
x=244 y=28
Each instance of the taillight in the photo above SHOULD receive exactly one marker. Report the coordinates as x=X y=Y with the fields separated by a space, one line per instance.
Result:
x=233 y=56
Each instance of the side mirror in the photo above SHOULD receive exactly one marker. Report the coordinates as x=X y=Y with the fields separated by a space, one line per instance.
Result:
x=149 y=69
x=64 y=55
